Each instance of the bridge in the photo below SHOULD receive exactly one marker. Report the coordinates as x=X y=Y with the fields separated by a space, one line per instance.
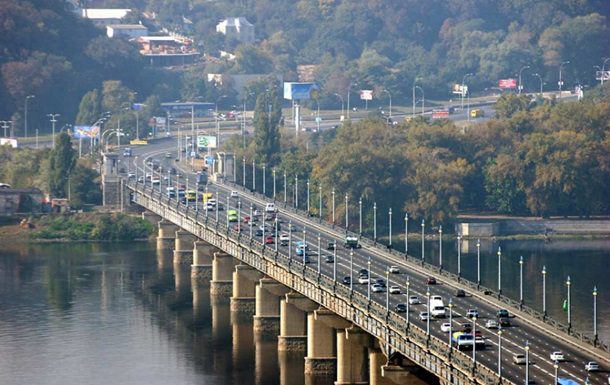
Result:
x=314 y=303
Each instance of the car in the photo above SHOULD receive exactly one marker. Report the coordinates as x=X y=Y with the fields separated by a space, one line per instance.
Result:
x=363 y=272
x=467 y=328
x=377 y=288
x=347 y=280
x=557 y=356
x=519 y=359
x=394 y=289
x=232 y=215
x=351 y=243
x=400 y=308
x=329 y=259
x=331 y=245
x=212 y=201
x=131 y=175
x=363 y=280
x=168 y=154
x=237 y=227
x=234 y=194
x=394 y=270
x=424 y=316
x=504 y=321
x=259 y=233
x=591 y=366
x=502 y=313
x=460 y=293
x=431 y=281
x=270 y=208
x=491 y=324
x=269 y=240
x=414 y=300
x=446 y=327
x=284 y=239
x=380 y=281
x=472 y=313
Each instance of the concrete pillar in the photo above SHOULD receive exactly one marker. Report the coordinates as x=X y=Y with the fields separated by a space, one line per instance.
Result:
x=151 y=217
x=183 y=248
x=267 y=313
x=166 y=234
x=244 y=289
x=265 y=359
x=222 y=275
x=376 y=360
x=292 y=326
x=352 y=356
x=321 y=359
x=291 y=368
x=201 y=269
x=201 y=306
x=243 y=344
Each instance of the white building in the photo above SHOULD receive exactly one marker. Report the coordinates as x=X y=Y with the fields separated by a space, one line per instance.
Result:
x=128 y=31
x=102 y=17
x=237 y=27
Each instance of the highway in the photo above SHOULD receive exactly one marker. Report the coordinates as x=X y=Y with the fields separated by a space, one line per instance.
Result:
x=514 y=339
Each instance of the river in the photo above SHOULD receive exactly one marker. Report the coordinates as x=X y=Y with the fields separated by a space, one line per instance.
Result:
x=120 y=314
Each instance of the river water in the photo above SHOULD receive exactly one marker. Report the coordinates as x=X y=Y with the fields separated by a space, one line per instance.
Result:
x=120 y=314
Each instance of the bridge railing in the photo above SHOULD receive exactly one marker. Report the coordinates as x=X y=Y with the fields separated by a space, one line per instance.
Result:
x=432 y=269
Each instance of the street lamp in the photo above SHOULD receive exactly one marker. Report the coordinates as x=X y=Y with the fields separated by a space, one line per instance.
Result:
x=499 y=271
x=521 y=84
x=273 y=172
x=428 y=317
x=390 y=226
x=342 y=105
x=333 y=199
x=459 y=247
x=368 y=289
x=569 y=307
x=285 y=188
x=25 y=122
x=595 y=314
x=53 y=121
x=360 y=216
x=375 y=222
x=319 y=252
x=408 y=283
x=406 y=234
x=390 y=106
x=527 y=363
x=346 y=213
x=320 y=202
x=423 y=225
x=351 y=270
x=555 y=366
x=264 y=180
x=544 y=291
x=243 y=171
x=500 y=353
x=308 y=197
x=560 y=82
x=521 y=280
x=474 y=342
x=464 y=89
x=423 y=99
x=334 y=261
x=450 y=321
x=478 y=263
x=440 y=246
x=296 y=191
x=539 y=77
x=349 y=90
x=253 y=176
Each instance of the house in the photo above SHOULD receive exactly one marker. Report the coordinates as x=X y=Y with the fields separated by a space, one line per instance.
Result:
x=127 y=31
x=16 y=200
x=101 y=17
x=237 y=27
x=168 y=50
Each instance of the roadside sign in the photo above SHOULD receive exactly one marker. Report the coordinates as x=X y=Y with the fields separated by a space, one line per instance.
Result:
x=507 y=83
x=207 y=141
x=366 y=94
x=318 y=119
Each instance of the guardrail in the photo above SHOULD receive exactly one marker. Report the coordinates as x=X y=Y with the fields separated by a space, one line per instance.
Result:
x=398 y=334
x=514 y=305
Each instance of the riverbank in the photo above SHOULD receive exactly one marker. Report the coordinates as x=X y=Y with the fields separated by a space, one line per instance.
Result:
x=75 y=227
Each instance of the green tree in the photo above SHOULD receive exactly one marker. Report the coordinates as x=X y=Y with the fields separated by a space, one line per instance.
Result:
x=267 y=117
x=85 y=187
x=61 y=162
x=90 y=108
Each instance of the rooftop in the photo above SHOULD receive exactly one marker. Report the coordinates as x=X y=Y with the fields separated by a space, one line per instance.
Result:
x=105 y=13
x=127 y=26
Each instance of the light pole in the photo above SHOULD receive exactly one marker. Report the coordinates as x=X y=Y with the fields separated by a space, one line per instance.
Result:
x=296 y=191
x=478 y=263
x=459 y=247
x=527 y=363
x=320 y=202
x=243 y=171
x=408 y=283
x=500 y=353
x=349 y=91
x=390 y=228
x=25 y=122
x=53 y=121
x=290 y=241
x=540 y=78
x=334 y=261
x=595 y=314
x=474 y=342
x=333 y=198
x=351 y=270
x=569 y=304
x=319 y=252
x=499 y=271
x=251 y=223
x=406 y=234
x=464 y=89
x=423 y=225
x=342 y=105
x=440 y=246
x=423 y=99
x=273 y=172
x=521 y=280
x=520 y=72
x=346 y=213
x=544 y=291
x=560 y=82
x=360 y=216
x=308 y=197
x=285 y=188
x=387 y=292
x=428 y=317
x=264 y=180
x=375 y=222
x=390 y=106
x=253 y=176
x=368 y=288
x=450 y=322
x=555 y=366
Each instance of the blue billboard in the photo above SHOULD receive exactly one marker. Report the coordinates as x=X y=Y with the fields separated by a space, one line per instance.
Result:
x=301 y=91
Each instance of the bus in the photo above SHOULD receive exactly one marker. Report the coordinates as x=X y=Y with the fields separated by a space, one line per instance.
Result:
x=207 y=196
x=566 y=381
x=190 y=195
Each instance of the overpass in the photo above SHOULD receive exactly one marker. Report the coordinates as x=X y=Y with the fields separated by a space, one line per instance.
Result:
x=346 y=331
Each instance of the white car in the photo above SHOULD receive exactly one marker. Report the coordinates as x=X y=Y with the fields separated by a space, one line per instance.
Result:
x=424 y=316
x=446 y=327
x=414 y=300
x=394 y=270
x=363 y=280
x=491 y=324
x=270 y=208
x=377 y=288
x=591 y=366
x=557 y=356
x=234 y=194
x=394 y=289
x=212 y=202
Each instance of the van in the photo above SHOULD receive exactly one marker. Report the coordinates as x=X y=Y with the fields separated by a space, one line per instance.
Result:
x=437 y=307
x=270 y=208
x=477 y=113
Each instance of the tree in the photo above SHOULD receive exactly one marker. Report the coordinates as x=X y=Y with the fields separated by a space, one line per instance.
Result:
x=267 y=117
x=90 y=108
x=84 y=186
x=61 y=163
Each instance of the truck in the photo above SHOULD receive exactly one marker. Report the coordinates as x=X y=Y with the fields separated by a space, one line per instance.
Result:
x=477 y=113
x=351 y=243
x=462 y=340
x=437 y=307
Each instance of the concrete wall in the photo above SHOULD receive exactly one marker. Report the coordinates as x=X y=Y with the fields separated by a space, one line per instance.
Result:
x=534 y=226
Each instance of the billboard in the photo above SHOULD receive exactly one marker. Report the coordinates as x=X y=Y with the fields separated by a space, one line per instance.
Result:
x=9 y=142
x=366 y=94
x=301 y=91
x=459 y=89
x=507 y=84
x=86 y=132
x=207 y=141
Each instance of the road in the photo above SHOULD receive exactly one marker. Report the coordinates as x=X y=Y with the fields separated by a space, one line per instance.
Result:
x=515 y=338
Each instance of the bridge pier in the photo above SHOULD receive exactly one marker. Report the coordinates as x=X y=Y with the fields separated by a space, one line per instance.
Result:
x=201 y=269
x=222 y=275
x=321 y=360
x=166 y=234
x=352 y=356
x=292 y=336
x=183 y=249
x=151 y=217
x=267 y=314
x=376 y=361
x=243 y=300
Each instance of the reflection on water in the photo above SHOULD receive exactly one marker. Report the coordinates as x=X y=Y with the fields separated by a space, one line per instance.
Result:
x=120 y=313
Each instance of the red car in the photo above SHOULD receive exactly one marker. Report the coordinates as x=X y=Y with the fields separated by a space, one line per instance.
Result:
x=269 y=239
x=237 y=227
x=431 y=281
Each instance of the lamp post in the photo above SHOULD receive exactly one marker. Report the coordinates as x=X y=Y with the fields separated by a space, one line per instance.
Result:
x=253 y=176
x=474 y=342
x=346 y=213
x=273 y=172
x=423 y=225
x=360 y=216
x=520 y=280
x=527 y=363
x=520 y=87
x=560 y=82
x=307 y=196
x=390 y=106
x=333 y=199
x=408 y=283
x=544 y=291
x=428 y=317
x=251 y=223
x=464 y=90
x=595 y=314
x=390 y=228
x=500 y=353
x=334 y=261
x=541 y=83
x=478 y=263
x=239 y=220
x=423 y=99
x=243 y=171
x=351 y=270
x=320 y=202
x=53 y=121
x=319 y=252
x=349 y=91
x=296 y=191
x=285 y=188
x=440 y=247
x=406 y=234
x=555 y=366
x=387 y=292
x=450 y=322
x=25 y=121
x=304 y=247
x=499 y=271
x=569 y=307
x=459 y=247
x=289 y=241
x=342 y=105
x=264 y=180
x=368 y=288
x=375 y=222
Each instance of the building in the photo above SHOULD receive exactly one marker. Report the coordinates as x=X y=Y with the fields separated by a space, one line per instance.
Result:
x=127 y=31
x=20 y=200
x=237 y=27
x=102 y=17
x=168 y=50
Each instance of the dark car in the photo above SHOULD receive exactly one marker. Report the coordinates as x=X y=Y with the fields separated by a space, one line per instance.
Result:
x=401 y=308
x=431 y=281
x=331 y=246
x=504 y=321
x=329 y=259
x=363 y=273
x=460 y=293
x=259 y=232
x=347 y=280
x=502 y=313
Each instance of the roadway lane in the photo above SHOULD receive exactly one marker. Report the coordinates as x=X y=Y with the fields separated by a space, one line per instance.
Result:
x=514 y=338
